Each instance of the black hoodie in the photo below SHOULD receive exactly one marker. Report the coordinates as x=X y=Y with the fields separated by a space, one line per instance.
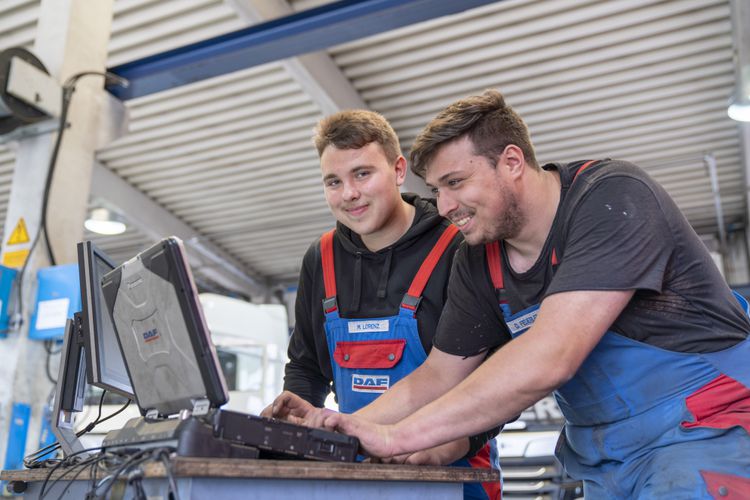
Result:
x=369 y=285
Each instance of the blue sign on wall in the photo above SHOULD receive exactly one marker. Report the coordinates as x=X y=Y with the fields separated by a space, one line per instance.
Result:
x=58 y=296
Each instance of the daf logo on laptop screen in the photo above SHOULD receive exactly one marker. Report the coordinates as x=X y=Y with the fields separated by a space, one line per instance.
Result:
x=150 y=335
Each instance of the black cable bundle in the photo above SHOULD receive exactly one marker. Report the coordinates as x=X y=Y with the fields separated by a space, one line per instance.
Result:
x=131 y=469
x=32 y=461
x=116 y=467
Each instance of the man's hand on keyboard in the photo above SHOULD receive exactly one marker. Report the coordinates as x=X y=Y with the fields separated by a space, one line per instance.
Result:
x=292 y=408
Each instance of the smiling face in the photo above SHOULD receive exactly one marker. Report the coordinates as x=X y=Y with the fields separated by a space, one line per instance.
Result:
x=362 y=188
x=478 y=198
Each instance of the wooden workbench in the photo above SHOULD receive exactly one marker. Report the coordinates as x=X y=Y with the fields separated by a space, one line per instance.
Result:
x=201 y=478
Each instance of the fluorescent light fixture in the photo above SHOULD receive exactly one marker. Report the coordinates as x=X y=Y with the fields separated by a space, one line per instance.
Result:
x=103 y=221
x=739 y=109
x=739 y=103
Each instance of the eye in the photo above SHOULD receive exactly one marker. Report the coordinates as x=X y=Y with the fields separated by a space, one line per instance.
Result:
x=454 y=182
x=435 y=192
x=332 y=183
x=361 y=174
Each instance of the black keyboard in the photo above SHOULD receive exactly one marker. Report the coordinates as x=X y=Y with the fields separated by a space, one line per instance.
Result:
x=282 y=439
x=229 y=434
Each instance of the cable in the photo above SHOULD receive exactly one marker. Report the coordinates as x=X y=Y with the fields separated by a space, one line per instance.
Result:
x=97 y=422
x=93 y=477
x=31 y=461
x=136 y=459
x=83 y=465
x=164 y=457
x=66 y=96
x=98 y=414
x=50 y=352
x=60 y=464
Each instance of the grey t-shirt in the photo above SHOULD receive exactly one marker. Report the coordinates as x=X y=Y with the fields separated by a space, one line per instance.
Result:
x=615 y=229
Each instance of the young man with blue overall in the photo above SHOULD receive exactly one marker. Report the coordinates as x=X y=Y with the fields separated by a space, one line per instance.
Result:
x=587 y=280
x=371 y=291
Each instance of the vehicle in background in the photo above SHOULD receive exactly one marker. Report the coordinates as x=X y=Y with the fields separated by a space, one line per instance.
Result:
x=527 y=456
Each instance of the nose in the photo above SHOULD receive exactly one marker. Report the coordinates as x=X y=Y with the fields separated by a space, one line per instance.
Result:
x=446 y=204
x=350 y=192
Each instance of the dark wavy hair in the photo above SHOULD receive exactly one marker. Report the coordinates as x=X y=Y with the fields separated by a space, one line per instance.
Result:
x=486 y=119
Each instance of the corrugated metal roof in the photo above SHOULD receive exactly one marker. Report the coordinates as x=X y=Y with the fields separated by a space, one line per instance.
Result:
x=18 y=23
x=7 y=165
x=642 y=80
x=232 y=158
x=646 y=81
x=142 y=28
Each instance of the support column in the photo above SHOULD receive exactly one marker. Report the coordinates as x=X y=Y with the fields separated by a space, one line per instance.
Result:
x=72 y=36
x=741 y=40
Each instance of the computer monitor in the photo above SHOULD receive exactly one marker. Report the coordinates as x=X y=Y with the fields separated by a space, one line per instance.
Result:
x=106 y=367
x=91 y=351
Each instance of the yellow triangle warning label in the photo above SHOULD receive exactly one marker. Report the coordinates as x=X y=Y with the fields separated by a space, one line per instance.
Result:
x=20 y=234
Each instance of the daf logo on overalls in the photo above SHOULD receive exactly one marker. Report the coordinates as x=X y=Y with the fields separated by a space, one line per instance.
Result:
x=370 y=383
x=368 y=326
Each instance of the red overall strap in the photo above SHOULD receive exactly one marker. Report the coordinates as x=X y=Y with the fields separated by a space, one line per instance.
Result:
x=494 y=263
x=583 y=167
x=329 y=274
x=411 y=300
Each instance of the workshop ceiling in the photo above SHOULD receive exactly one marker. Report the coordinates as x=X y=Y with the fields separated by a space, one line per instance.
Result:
x=231 y=157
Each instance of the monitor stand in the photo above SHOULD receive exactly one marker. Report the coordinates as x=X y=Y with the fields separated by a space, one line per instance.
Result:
x=70 y=390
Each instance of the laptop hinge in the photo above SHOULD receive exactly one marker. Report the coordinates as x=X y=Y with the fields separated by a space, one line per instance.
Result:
x=152 y=414
x=201 y=407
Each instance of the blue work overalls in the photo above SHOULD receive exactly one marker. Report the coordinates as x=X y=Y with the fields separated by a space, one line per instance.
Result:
x=643 y=422
x=368 y=356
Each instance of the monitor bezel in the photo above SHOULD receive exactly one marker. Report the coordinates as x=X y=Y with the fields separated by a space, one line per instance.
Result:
x=88 y=252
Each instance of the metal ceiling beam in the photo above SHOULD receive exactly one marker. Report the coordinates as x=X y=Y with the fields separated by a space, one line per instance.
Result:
x=318 y=75
x=156 y=222
x=289 y=36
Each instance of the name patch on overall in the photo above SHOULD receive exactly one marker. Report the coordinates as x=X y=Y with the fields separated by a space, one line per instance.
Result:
x=370 y=383
x=522 y=322
x=380 y=325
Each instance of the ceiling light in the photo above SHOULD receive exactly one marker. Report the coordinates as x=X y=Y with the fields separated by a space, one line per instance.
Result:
x=739 y=104
x=739 y=108
x=104 y=221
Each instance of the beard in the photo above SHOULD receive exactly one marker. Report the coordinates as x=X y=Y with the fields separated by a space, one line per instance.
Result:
x=506 y=226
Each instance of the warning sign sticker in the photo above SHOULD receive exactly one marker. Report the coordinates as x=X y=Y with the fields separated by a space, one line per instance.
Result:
x=15 y=259
x=19 y=235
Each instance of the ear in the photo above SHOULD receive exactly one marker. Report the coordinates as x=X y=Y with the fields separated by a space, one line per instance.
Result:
x=400 y=170
x=512 y=158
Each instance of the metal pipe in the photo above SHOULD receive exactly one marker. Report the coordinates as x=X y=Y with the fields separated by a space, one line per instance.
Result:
x=710 y=161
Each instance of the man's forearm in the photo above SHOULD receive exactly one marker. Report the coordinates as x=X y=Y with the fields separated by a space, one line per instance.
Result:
x=433 y=378
x=475 y=405
x=404 y=398
x=519 y=374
